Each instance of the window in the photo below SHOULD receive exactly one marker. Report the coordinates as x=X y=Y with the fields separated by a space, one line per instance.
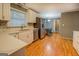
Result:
x=18 y=18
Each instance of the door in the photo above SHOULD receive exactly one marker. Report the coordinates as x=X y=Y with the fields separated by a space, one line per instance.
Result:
x=57 y=26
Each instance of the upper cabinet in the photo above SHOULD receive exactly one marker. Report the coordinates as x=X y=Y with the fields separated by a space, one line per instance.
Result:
x=0 y=11
x=4 y=11
x=31 y=16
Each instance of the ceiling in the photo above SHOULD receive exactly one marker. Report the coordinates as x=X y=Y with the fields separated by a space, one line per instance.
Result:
x=43 y=8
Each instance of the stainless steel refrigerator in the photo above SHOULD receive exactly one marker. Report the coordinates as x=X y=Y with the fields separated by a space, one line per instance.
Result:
x=40 y=25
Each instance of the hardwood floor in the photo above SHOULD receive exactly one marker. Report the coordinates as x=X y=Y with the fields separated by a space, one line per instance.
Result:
x=53 y=45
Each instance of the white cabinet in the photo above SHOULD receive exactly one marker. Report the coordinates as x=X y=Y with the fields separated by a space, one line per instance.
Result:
x=31 y=16
x=76 y=40
x=0 y=11
x=26 y=36
x=4 y=11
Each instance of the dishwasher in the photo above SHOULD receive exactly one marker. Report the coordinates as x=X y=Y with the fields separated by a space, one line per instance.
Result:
x=35 y=32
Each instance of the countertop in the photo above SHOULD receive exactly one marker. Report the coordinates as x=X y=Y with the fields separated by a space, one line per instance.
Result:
x=9 y=44
x=17 y=30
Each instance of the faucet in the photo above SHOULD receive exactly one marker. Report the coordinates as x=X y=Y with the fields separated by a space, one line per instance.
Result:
x=22 y=28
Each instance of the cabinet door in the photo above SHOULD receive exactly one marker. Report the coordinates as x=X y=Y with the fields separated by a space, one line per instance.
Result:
x=0 y=11
x=26 y=36
x=6 y=11
x=31 y=16
x=22 y=36
x=29 y=36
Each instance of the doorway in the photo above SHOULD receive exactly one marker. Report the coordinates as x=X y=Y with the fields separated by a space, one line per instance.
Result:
x=57 y=25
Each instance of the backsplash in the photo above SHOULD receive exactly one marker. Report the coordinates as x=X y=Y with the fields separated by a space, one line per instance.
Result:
x=3 y=25
x=3 y=22
x=4 y=28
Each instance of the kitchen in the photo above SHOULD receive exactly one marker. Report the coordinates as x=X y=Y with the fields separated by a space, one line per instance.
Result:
x=14 y=22
x=24 y=31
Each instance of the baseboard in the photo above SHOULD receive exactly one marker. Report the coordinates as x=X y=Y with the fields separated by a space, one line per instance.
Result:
x=69 y=38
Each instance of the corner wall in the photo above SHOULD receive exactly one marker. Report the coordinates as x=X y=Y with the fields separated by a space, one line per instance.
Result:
x=69 y=22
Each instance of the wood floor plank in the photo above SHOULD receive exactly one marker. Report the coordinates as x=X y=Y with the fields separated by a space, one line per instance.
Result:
x=53 y=45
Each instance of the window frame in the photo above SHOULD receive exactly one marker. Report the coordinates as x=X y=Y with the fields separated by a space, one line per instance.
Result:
x=18 y=11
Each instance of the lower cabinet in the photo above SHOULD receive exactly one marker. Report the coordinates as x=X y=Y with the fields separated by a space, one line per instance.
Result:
x=26 y=36
x=76 y=40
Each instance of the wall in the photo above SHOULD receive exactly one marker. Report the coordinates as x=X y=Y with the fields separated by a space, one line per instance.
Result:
x=69 y=22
